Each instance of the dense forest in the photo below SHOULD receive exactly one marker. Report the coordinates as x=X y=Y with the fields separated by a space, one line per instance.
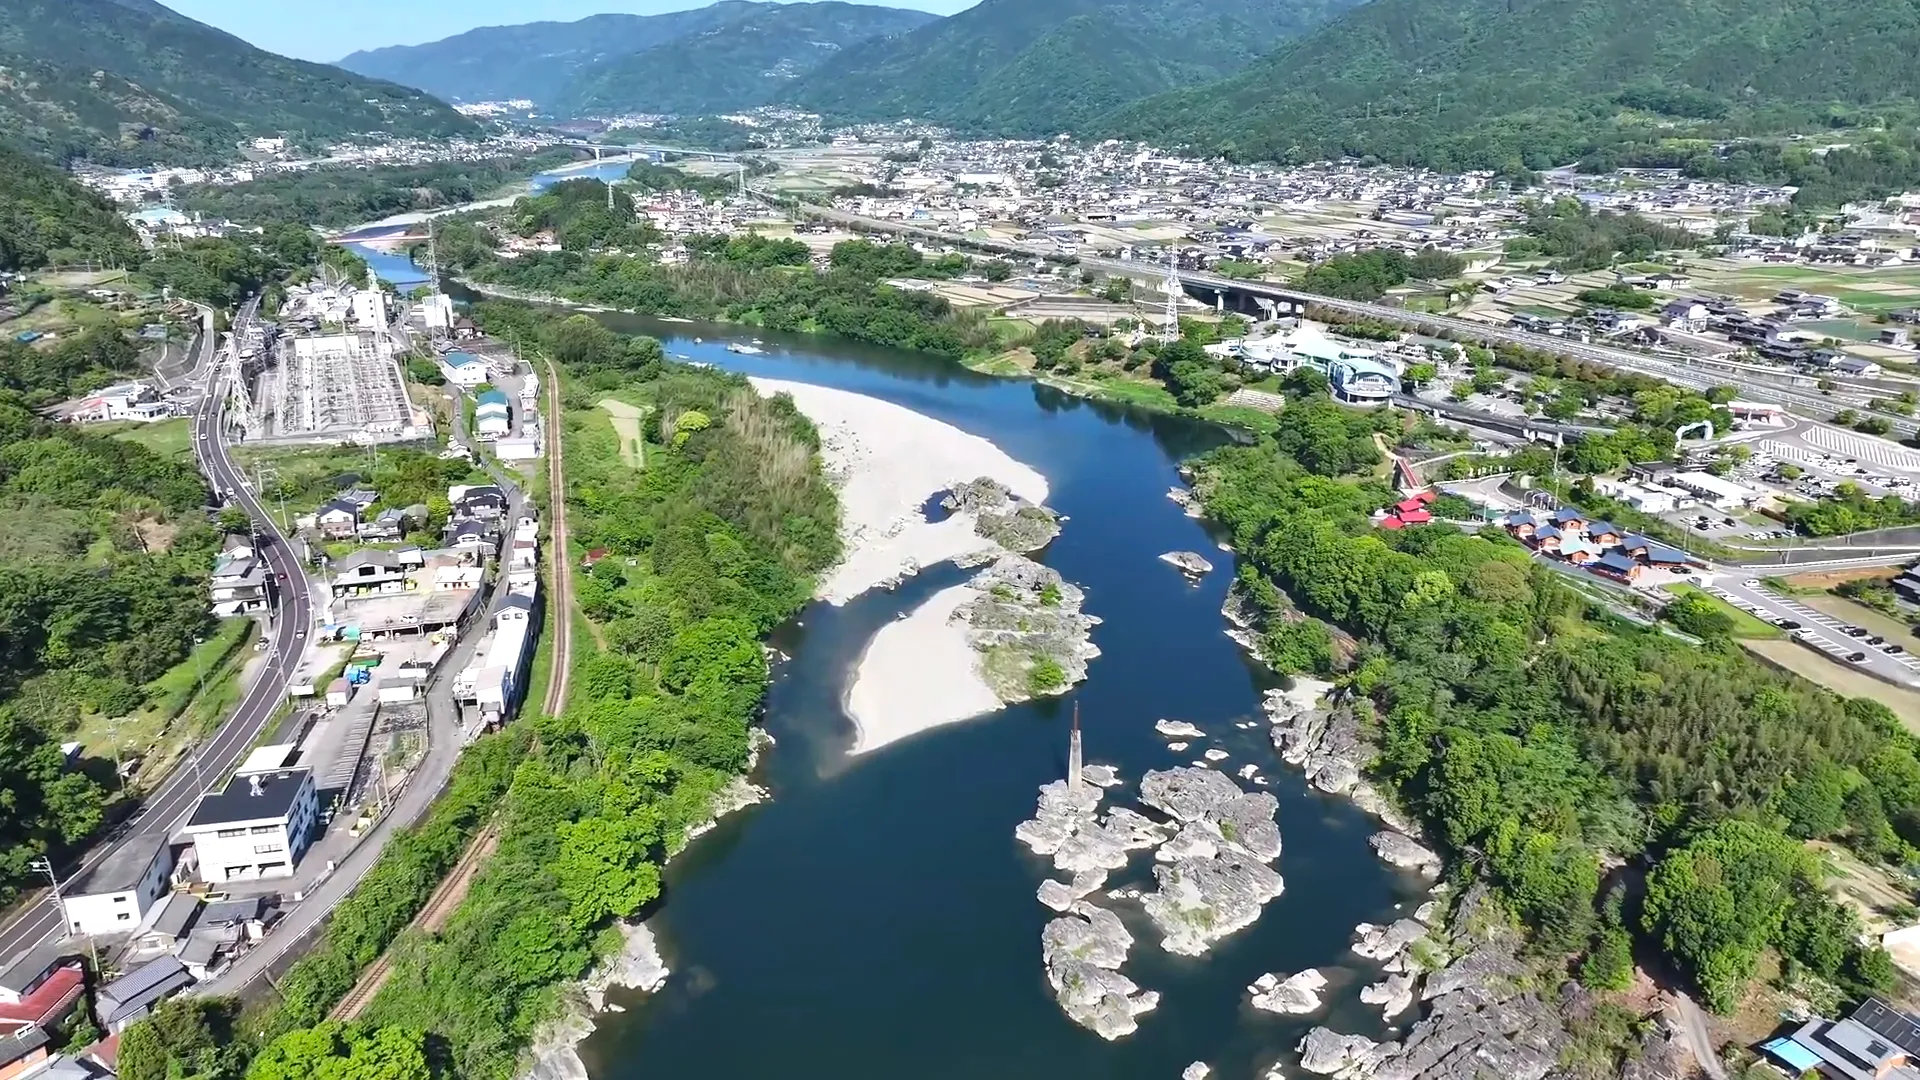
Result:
x=103 y=570
x=134 y=83
x=48 y=220
x=1542 y=739
x=332 y=198
x=746 y=278
x=1457 y=84
x=713 y=543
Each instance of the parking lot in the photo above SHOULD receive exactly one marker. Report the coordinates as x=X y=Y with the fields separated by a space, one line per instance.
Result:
x=1842 y=642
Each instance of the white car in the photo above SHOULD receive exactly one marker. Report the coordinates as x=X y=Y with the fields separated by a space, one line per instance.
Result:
x=1751 y=583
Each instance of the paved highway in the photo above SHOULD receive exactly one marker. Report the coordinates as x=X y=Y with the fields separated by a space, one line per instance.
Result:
x=1693 y=373
x=169 y=803
x=1818 y=630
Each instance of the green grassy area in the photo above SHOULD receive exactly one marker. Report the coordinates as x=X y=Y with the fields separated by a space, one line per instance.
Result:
x=1745 y=625
x=188 y=700
x=168 y=438
x=1241 y=416
x=1129 y=391
x=999 y=364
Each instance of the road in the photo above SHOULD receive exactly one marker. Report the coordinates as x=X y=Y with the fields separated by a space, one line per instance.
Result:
x=1692 y=372
x=171 y=801
x=561 y=602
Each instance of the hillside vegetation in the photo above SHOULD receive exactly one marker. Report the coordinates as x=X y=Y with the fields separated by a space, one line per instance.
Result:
x=537 y=60
x=48 y=219
x=750 y=60
x=129 y=82
x=1540 y=83
x=1039 y=67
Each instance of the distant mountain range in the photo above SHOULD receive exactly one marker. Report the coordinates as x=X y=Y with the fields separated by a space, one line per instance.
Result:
x=748 y=61
x=1492 y=83
x=1014 y=66
x=1035 y=67
x=133 y=82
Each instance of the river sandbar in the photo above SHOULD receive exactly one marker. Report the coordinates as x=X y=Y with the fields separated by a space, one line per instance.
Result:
x=887 y=460
x=917 y=673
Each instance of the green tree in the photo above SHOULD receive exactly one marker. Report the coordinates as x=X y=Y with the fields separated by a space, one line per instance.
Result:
x=1717 y=902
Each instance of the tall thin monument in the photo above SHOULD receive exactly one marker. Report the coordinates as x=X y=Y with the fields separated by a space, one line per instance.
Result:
x=1074 y=780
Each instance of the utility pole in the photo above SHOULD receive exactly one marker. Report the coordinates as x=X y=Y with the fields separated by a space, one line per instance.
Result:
x=45 y=866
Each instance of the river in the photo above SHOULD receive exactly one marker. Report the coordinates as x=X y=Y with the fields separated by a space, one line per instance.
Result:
x=395 y=266
x=877 y=917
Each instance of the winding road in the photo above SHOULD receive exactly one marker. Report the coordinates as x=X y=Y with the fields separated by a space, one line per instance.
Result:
x=168 y=805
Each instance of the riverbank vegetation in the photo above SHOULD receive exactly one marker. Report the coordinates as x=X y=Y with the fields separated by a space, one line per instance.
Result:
x=1543 y=740
x=336 y=197
x=710 y=546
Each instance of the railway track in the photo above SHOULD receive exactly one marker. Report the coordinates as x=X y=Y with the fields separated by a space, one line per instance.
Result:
x=562 y=600
x=432 y=918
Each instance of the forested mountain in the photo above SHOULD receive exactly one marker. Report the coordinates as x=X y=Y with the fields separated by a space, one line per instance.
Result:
x=534 y=60
x=46 y=217
x=1039 y=67
x=751 y=60
x=1458 y=83
x=132 y=82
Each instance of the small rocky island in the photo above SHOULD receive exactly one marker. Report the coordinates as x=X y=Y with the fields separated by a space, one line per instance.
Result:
x=1003 y=517
x=1025 y=621
x=1210 y=868
x=1189 y=563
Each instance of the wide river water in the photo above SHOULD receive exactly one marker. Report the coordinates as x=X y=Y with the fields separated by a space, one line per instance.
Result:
x=876 y=920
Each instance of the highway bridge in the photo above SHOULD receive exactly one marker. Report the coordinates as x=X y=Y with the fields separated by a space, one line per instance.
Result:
x=1788 y=390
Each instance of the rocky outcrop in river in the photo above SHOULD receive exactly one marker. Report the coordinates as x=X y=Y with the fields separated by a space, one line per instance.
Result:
x=1484 y=1017
x=554 y=1054
x=1296 y=994
x=1189 y=563
x=1217 y=880
x=1003 y=517
x=1025 y=620
x=1083 y=951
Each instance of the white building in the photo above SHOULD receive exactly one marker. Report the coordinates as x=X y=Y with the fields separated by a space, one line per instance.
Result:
x=1644 y=499
x=370 y=309
x=436 y=311
x=116 y=894
x=257 y=826
x=1710 y=489
x=464 y=370
x=492 y=416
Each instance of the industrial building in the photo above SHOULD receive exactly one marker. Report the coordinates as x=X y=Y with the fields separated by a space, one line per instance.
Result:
x=259 y=824
x=343 y=387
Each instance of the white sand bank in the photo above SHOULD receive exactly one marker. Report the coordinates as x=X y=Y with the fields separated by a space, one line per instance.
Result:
x=887 y=461
x=918 y=673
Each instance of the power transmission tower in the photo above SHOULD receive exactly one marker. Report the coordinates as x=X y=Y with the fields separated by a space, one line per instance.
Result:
x=1171 y=331
x=240 y=401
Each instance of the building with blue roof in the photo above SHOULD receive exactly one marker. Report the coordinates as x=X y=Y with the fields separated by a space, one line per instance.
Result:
x=463 y=369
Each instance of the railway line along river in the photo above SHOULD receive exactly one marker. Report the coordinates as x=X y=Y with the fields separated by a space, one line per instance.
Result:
x=877 y=917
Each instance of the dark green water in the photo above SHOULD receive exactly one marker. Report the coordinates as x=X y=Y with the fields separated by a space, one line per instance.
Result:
x=877 y=919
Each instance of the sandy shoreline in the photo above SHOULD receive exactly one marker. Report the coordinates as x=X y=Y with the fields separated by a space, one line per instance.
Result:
x=917 y=673
x=920 y=671
x=887 y=461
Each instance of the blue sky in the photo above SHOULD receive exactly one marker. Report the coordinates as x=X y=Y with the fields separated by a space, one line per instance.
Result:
x=334 y=28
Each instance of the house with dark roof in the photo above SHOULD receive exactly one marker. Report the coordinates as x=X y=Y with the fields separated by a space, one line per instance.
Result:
x=115 y=894
x=257 y=826
x=1615 y=565
x=42 y=985
x=1875 y=1042
x=133 y=995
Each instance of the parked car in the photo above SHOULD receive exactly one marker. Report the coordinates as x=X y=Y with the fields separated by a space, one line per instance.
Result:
x=1853 y=631
x=1857 y=657
x=1787 y=624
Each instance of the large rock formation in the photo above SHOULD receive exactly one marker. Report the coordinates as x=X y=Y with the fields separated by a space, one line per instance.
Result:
x=1023 y=618
x=1400 y=850
x=1003 y=517
x=1216 y=880
x=1083 y=951
x=1190 y=563
x=1296 y=994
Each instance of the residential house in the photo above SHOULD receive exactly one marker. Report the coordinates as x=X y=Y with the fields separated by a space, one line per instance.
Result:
x=1875 y=1042
x=477 y=538
x=1616 y=565
x=1688 y=315
x=480 y=502
x=1603 y=533
x=1568 y=518
x=1897 y=337
x=369 y=571
x=115 y=894
x=1547 y=538
x=24 y=1051
x=337 y=519
x=239 y=582
x=133 y=995
x=42 y=985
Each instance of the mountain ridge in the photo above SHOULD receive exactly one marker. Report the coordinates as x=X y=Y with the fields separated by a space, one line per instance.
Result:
x=132 y=82
x=748 y=61
x=1036 y=67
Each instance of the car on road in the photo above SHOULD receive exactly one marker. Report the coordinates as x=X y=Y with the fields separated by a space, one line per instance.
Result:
x=1751 y=583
